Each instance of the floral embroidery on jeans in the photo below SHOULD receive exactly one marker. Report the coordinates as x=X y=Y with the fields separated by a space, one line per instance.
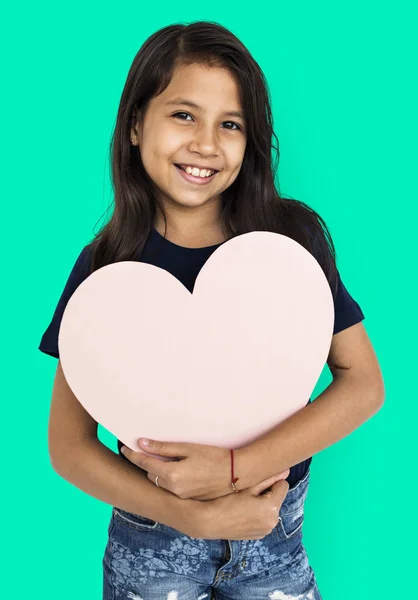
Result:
x=183 y=557
x=259 y=557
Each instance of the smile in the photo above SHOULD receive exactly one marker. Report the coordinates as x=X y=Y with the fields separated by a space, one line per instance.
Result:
x=192 y=179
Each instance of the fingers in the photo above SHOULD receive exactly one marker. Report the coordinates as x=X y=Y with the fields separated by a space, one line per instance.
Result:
x=256 y=490
x=152 y=465
x=283 y=475
x=167 y=449
x=152 y=477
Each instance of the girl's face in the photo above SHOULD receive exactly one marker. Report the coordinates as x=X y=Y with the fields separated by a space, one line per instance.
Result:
x=204 y=135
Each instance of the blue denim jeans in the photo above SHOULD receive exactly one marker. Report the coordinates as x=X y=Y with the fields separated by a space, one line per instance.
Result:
x=146 y=560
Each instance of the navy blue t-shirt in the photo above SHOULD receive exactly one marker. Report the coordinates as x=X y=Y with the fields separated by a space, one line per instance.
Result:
x=184 y=264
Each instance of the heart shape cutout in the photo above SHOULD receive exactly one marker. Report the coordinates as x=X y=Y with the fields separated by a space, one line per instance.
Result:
x=221 y=366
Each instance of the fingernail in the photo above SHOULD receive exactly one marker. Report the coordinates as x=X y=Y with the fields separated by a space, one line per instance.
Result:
x=145 y=442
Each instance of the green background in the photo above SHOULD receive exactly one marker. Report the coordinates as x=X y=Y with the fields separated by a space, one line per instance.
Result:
x=344 y=103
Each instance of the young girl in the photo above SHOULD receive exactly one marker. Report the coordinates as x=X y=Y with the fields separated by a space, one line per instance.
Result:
x=192 y=168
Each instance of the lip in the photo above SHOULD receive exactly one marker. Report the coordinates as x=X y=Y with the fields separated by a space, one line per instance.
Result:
x=195 y=180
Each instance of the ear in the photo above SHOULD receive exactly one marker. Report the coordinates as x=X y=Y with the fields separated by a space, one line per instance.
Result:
x=136 y=126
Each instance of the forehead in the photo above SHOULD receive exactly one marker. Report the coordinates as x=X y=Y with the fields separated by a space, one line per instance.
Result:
x=213 y=89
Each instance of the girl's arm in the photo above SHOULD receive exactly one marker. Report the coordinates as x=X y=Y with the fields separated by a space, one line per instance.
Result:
x=356 y=393
x=79 y=457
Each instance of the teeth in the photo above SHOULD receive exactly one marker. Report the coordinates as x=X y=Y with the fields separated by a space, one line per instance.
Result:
x=197 y=172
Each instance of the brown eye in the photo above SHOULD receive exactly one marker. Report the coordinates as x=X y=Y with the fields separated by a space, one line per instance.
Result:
x=181 y=113
x=233 y=123
x=177 y=115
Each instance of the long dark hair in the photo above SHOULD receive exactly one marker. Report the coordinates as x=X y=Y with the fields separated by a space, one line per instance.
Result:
x=252 y=202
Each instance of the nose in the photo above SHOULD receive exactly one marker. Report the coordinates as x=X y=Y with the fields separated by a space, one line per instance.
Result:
x=205 y=141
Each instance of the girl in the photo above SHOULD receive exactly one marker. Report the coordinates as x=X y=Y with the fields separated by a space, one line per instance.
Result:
x=191 y=166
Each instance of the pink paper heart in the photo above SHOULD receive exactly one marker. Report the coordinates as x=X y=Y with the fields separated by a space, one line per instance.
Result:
x=220 y=366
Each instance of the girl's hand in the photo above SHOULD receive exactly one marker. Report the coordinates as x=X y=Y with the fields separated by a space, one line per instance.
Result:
x=249 y=515
x=200 y=472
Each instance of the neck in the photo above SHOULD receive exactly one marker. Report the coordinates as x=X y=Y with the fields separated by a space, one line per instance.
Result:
x=192 y=230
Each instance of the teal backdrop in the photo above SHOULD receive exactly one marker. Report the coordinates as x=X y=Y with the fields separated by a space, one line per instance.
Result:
x=341 y=78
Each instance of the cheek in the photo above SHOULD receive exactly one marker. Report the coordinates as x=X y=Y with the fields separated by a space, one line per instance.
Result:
x=158 y=145
x=235 y=155
x=167 y=142
x=235 y=165
x=155 y=162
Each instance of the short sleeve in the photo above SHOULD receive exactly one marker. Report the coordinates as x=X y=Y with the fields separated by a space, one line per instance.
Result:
x=79 y=272
x=347 y=310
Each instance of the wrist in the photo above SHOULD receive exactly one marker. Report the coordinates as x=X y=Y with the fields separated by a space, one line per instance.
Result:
x=191 y=516
x=205 y=515
x=202 y=515
x=242 y=468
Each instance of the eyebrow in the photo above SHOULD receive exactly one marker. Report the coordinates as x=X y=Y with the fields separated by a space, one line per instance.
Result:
x=185 y=102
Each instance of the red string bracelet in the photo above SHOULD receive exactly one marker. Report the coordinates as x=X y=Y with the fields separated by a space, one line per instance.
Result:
x=233 y=479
